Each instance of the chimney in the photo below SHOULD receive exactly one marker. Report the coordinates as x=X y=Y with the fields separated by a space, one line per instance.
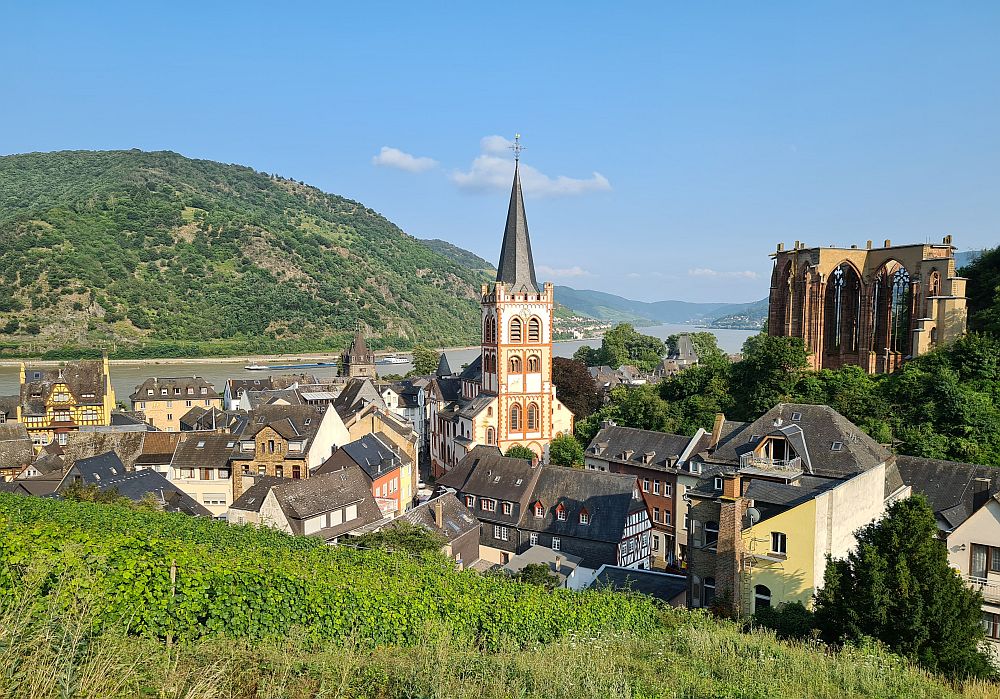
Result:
x=720 y=420
x=534 y=461
x=731 y=486
x=781 y=246
x=439 y=513
x=558 y=563
x=888 y=243
x=980 y=492
x=868 y=245
x=607 y=423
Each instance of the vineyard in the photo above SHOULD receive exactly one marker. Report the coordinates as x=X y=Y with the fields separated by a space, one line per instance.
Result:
x=172 y=576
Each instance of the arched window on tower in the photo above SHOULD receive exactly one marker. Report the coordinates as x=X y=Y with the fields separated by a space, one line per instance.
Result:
x=515 y=331
x=532 y=417
x=515 y=365
x=934 y=285
x=515 y=418
x=534 y=330
x=491 y=436
x=534 y=363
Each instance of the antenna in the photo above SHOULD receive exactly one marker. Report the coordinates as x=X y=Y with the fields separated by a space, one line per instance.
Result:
x=517 y=147
x=753 y=514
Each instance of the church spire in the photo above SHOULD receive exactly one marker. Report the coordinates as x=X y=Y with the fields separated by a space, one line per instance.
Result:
x=516 y=268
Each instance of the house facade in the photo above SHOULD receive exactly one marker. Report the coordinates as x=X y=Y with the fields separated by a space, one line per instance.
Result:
x=55 y=402
x=165 y=401
x=387 y=467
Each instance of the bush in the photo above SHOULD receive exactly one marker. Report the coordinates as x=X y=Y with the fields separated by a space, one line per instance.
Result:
x=788 y=621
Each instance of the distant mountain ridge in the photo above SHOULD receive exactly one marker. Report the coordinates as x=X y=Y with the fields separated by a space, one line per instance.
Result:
x=605 y=306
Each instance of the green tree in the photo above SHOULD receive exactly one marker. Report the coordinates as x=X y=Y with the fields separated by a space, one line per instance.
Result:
x=401 y=536
x=538 y=574
x=624 y=345
x=897 y=587
x=519 y=451
x=705 y=344
x=565 y=450
x=767 y=374
x=425 y=361
x=588 y=355
x=983 y=291
x=575 y=387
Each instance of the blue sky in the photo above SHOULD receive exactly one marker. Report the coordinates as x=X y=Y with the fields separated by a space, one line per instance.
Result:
x=671 y=145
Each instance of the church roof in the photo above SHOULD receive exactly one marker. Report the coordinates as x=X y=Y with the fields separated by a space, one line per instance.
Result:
x=359 y=348
x=516 y=268
x=444 y=369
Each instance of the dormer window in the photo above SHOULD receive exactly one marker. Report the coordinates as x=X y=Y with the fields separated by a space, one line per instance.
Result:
x=584 y=517
x=538 y=510
x=163 y=391
x=508 y=508
x=488 y=505
x=204 y=391
x=200 y=445
x=717 y=483
x=190 y=391
x=470 y=501
x=561 y=513
x=149 y=391
x=177 y=391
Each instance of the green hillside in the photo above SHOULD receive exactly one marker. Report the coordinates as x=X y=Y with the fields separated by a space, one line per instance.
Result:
x=155 y=254
x=103 y=601
x=605 y=306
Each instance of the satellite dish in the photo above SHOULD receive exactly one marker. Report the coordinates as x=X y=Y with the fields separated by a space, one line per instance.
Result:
x=754 y=515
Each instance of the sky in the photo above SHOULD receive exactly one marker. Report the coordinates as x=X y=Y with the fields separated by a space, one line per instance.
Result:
x=669 y=146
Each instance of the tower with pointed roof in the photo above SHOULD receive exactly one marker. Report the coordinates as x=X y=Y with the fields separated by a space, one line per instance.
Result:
x=358 y=361
x=517 y=341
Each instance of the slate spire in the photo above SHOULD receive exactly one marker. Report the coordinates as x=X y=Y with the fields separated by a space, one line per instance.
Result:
x=516 y=268
x=443 y=369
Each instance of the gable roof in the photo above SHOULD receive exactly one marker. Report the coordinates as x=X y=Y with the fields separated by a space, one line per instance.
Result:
x=177 y=388
x=949 y=486
x=95 y=469
x=158 y=448
x=474 y=371
x=648 y=448
x=375 y=455
x=204 y=450
x=253 y=497
x=357 y=394
x=293 y=422
x=812 y=434
x=16 y=450
x=486 y=473
x=302 y=499
x=606 y=497
x=135 y=485
x=663 y=586
x=81 y=377
x=456 y=518
x=8 y=406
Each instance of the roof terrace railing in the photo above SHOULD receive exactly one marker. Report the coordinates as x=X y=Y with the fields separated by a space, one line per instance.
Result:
x=751 y=460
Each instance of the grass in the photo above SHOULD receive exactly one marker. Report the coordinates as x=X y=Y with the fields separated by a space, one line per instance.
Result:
x=48 y=652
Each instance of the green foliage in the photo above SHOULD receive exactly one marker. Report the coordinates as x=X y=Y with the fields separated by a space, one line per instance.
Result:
x=538 y=574
x=575 y=387
x=401 y=536
x=705 y=346
x=519 y=451
x=565 y=450
x=788 y=621
x=587 y=355
x=983 y=291
x=624 y=345
x=210 y=259
x=425 y=361
x=252 y=583
x=897 y=587
x=767 y=374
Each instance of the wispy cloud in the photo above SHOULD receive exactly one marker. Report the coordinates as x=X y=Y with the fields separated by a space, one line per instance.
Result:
x=401 y=160
x=575 y=271
x=491 y=170
x=706 y=272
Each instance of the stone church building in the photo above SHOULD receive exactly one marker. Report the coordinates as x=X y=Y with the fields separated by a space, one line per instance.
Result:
x=506 y=396
x=872 y=308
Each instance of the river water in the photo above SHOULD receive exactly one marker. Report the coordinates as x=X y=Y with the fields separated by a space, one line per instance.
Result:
x=127 y=375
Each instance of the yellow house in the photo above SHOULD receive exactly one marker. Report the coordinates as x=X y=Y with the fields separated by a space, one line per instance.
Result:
x=165 y=401
x=55 y=401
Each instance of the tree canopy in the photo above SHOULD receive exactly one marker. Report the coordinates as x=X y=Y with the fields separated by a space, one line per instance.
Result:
x=401 y=536
x=565 y=450
x=983 y=291
x=897 y=587
x=575 y=387
x=425 y=361
x=622 y=344
x=519 y=451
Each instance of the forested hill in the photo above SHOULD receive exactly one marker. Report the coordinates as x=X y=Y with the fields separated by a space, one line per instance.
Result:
x=157 y=254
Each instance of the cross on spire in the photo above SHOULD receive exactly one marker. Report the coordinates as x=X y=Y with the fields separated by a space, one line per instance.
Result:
x=517 y=147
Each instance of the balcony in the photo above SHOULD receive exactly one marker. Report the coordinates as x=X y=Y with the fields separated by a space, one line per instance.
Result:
x=990 y=589
x=751 y=460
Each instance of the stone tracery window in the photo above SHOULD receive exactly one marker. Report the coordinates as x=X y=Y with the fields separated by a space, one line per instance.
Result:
x=843 y=307
x=532 y=417
x=515 y=418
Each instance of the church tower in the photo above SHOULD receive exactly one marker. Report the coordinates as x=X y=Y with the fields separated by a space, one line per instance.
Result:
x=358 y=361
x=517 y=341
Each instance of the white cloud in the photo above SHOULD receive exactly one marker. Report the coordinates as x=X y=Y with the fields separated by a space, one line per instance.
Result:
x=575 y=271
x=633 y=275
x=492 y=170
x=395 y=158
x=706 y=272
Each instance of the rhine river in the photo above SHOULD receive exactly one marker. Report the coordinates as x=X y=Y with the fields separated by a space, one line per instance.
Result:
x=126 y=375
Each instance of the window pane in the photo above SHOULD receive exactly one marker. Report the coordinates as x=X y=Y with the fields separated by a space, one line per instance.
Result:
x=995 y=559
x=978 y=567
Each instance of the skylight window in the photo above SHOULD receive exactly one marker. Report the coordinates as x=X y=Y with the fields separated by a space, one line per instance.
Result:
x=519 y=481
x=837 y=446
x=796 y=417
x=201 y=445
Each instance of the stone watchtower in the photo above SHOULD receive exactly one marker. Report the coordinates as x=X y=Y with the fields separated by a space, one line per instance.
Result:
x=358 y=361
x=517 y=339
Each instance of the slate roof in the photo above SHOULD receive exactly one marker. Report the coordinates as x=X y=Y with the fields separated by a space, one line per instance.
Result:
x=474 y=371
x=204 y=450
x=8 y=405
x=293 y=422
x=253 y=497
x=516 y=267
x=16 y=450
x=812 y=434
x=470 y=409
x=949 y=486
x=486 y=473
x=202 y=420
x=135 y=485
x=273 y=397
x=357 y=394
x=358 y=352
x=685 y=349
x=457 y=519
x=662 y=586
x=375 y=455
x=606 y=497
x=656 y=450
x=450 y=388
x=443 y=369
x=301 y=499
x=81 y=377
x=237 y=387
x=772 y=498
x=157 y=448
x=543 y=555
x=177 y=389
x=95 y=469
x=48 y=463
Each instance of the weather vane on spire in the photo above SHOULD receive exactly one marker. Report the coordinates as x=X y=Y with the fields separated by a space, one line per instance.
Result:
x=517 y=147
